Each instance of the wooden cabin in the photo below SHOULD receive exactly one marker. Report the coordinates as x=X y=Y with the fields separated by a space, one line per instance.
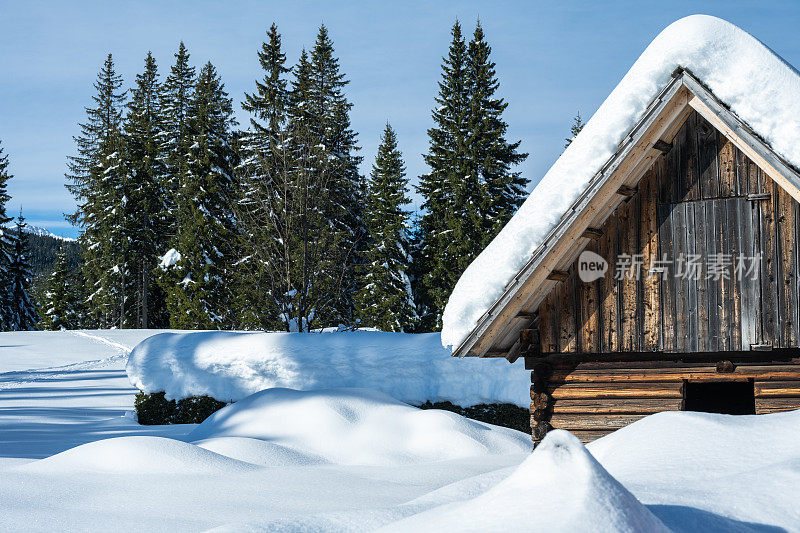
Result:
x=698 y=309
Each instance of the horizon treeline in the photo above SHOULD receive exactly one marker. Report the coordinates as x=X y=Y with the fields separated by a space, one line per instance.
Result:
x=191 y=221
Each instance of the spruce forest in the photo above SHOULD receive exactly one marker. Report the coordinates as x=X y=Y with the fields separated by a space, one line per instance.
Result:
x=190 y=220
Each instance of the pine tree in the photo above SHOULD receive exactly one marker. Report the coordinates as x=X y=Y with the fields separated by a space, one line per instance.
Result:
x=262 y=189
x=330 y=110
x=575 y=129
x=145 y=179
x=384 y=300
x=301 y=214
x=268 y=103
x=304 y=281
x=6 y=243
x=96 y=176
x=500 y=191
x=436 y=270
x=177 y=93
x=470 y=192
x=197 y=298
x=23 y=315
x=59 y=307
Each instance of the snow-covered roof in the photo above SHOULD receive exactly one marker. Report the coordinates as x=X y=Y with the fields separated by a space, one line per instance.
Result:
x=756 y=84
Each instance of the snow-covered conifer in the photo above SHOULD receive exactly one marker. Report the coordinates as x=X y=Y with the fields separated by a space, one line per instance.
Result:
x=177 y=94
x=96 y=180
x=261 y=182
x=301 y=215
x=196 y=285
x=22 y=315
x=145 y=195
x=435 y=268
x=499 y=191
x=59 y=307
x=6 y=243
x=384 y=300
x=470 y=192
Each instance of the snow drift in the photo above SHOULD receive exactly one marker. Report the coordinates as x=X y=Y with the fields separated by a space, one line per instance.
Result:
x=232 y=365
x=757 y=85
x=355 y=427
x=560 y=487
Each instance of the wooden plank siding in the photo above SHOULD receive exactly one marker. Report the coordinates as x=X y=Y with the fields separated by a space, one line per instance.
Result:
x=693 y=209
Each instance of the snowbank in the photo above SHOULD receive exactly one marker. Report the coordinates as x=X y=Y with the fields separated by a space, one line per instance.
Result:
x=758 y=86
x=411 y=368
x=353 y=427
x=560 y=487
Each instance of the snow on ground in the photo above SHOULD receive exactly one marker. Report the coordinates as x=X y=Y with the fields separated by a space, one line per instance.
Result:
x=758 y=86
x=59 y=389
x=412 y=368
x=357 y=460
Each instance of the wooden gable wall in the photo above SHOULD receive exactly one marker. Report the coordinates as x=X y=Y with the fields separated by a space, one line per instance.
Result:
x=702 y=197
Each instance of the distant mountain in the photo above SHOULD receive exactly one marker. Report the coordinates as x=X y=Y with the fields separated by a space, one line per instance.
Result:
x=44 y=232
x=44 y=246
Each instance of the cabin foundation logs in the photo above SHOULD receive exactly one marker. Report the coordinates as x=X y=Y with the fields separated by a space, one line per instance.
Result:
x=541 y=401
x=593 y=395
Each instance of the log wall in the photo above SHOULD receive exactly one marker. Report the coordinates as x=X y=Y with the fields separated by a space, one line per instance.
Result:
x=594 y=398
x=702 y=198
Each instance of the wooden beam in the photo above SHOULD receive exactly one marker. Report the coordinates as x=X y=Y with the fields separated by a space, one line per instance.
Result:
x=694 y=374
x=781 y=356
x=758 y=197
x=592 y=233
x=514 y=352
x=662 y=146
x=558 y=275
x=617 y=406
x=585 y=391
x=772 y=404
x=591 y=421
x=782 y=389
x=626 y=191
x=588 y=436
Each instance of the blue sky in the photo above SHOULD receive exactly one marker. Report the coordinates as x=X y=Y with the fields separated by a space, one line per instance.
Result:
x=553 y=59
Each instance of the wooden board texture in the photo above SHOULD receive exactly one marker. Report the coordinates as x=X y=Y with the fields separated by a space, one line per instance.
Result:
x=718 y=271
